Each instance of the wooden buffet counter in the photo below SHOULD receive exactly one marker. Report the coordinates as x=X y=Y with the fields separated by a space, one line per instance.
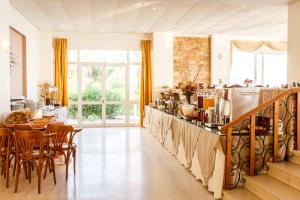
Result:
x=198 y=149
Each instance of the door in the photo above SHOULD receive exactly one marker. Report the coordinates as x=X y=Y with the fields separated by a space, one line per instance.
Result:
x=103 y=87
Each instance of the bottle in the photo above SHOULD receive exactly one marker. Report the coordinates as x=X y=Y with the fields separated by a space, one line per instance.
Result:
x=227 y=107
x=200 y=101
x=218 y=105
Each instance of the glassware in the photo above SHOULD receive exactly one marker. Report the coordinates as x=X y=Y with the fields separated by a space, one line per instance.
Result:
x=225 y=108
x=53 y=94
x=208 y=102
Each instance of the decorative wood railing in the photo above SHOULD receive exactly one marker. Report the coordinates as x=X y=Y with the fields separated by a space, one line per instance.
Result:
x=266 y=133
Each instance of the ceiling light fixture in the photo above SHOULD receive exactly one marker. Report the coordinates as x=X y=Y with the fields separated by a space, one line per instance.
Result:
x=154 y=8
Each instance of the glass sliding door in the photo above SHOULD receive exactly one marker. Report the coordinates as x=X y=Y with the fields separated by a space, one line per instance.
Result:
x=104 y=87
x=115 y=87
x=91 y=93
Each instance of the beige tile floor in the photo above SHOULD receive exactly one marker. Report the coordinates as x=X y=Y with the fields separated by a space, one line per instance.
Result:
x=115 y=164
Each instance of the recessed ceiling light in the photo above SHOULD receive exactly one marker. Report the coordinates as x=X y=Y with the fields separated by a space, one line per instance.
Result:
x=154 y=8
x=141 y=27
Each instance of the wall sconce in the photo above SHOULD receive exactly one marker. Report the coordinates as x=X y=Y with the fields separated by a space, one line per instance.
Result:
x=4 y=46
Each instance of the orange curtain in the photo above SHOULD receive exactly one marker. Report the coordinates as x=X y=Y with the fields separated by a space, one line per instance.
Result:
x=146 y=77
x=60 y=46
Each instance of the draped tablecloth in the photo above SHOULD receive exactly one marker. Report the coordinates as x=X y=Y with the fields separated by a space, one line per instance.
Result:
x=199 y=150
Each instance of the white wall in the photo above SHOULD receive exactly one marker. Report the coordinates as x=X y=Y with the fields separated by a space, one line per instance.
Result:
x=4 y=58
x=46 y=69
x=220 y=58
x=294 y=42
x=163 y=59
x=18 y=22
x=102 y=40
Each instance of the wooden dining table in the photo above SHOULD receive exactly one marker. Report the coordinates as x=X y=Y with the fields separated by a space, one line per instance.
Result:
x=34 y=125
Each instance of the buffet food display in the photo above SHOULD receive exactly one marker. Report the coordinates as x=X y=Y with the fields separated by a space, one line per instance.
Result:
x=212 y=107
x=202 y=107
x=24 y=111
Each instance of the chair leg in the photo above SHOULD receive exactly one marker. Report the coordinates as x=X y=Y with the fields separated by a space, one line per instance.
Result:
x=53 y=170
x=50 y=170
x=46 y=167
x=15 y=165
x=25 y=169
x=74 y=164
x=2 y=168
x=67 y=166
x=7 y=173
x=29 y=171
x=39 y=169
x=17 y=177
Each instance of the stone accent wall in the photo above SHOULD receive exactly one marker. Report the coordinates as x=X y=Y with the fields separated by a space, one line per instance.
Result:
x=192 y=56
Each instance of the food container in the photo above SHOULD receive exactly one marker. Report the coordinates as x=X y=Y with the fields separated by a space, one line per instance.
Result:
x=187 y=109
x=211 y=114
x=17 y=106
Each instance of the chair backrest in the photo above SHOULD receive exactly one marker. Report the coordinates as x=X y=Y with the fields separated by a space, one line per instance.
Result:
x=27 y=141
x=5 y=140
x=64 y=134
x=56 y=123
x=23 y=127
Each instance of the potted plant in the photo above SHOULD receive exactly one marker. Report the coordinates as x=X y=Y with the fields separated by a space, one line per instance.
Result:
x=248 y=82
x=187 y=89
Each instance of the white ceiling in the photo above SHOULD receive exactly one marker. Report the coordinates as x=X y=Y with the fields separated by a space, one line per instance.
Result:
x=191 y=17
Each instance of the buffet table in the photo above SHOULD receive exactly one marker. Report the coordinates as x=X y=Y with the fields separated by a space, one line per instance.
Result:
x=198 y=149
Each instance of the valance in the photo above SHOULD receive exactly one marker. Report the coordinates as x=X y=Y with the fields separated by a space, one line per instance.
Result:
x=251 y=46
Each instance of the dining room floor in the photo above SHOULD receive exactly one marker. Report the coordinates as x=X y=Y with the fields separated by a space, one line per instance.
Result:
x=115 y=164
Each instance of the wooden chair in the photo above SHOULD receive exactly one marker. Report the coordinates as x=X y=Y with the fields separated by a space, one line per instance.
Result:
x=5 y=145
x=22 y=127
x=63 y=143
x=26 y=143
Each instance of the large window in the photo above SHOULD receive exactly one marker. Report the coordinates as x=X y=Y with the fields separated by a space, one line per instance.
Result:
x=104 y=87
x=262 y=68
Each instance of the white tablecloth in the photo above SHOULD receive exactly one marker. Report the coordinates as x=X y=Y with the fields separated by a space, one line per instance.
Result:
x=197 y=149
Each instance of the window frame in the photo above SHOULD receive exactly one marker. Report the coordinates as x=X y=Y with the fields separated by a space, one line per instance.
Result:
x=256 y=66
